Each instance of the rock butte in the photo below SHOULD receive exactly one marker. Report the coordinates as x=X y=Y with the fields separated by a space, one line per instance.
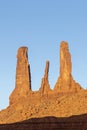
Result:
x=25 y=103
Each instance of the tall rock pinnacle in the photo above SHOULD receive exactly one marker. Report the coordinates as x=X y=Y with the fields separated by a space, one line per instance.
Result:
x=65 y=81
x=65 y=61
x=45 y=87
x=23 y=75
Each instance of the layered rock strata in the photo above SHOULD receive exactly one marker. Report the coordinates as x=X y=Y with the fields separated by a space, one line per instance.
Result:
x=23 y=76
x=65 y=82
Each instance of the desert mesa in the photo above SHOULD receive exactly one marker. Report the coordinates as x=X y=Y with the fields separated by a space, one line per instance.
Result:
x=66 y=99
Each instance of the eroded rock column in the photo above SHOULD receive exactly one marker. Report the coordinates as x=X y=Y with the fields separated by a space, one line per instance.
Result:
x=45 y=87
x=23 y=76
x=65 y=81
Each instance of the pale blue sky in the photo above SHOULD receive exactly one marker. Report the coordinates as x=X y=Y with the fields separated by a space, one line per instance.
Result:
x=41 y=25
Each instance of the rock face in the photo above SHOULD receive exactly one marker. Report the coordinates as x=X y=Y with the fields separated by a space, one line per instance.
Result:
x=45 y=87
x=23 y=76
x=65 y=81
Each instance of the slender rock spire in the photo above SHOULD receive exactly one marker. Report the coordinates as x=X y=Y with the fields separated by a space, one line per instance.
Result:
x=65 y=82
x=45 y=87
x=23 y=75
x=46 y=70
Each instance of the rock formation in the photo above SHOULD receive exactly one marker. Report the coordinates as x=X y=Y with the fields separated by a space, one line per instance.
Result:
x=45 y=87
x=65 y=81
x=26 y=104
x=23 y=76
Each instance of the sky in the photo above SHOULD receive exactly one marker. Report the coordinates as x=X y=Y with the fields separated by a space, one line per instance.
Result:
x=41 y=25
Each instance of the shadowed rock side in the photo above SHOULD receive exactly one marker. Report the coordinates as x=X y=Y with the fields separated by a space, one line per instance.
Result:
x=50 y=123
x=45 y=87
x=65 y=81
x=23 y=76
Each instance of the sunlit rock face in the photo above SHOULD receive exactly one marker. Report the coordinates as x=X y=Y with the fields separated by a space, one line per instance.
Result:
x=23 y=76
x=65 y=82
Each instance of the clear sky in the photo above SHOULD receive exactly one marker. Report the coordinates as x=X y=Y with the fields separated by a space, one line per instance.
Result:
x=41 y=25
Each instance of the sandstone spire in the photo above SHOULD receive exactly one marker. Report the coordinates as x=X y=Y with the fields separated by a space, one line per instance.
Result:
x=65 y=81
x=45 y=87
x=23 y=75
